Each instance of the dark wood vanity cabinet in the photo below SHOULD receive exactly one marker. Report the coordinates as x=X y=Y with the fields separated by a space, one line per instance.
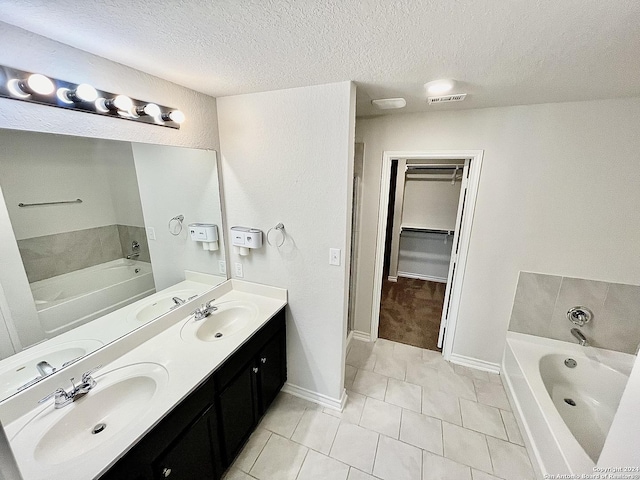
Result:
x=247 y=391
x=202 y=435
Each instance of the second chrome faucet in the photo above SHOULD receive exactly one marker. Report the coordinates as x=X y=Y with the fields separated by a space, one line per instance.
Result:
x=63 y=397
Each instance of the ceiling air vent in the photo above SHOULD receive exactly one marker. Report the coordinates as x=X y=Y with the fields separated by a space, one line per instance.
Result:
x=458 y=97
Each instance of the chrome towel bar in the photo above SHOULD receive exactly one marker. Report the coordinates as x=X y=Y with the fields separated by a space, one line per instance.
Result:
x=77 y=200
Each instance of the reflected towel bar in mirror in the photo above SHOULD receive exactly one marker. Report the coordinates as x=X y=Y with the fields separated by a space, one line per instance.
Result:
x=77 y=200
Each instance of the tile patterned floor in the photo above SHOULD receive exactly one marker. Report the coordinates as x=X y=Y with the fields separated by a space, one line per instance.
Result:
x=409 y=416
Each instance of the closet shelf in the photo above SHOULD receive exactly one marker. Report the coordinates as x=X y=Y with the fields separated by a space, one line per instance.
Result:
x=412 y=228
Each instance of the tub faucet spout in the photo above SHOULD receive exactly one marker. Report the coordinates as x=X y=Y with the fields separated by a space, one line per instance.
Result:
x=44 y=368
x=135 y=251
x=580 y=336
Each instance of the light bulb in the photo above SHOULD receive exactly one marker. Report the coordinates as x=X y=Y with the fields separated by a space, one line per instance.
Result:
x=13 y=86
x=175 y=116
x=101 y=105
x=122 y=102
x=82 y=93
x=85 y=92
x=438 y=87
x=39 y=84
x=150 y=109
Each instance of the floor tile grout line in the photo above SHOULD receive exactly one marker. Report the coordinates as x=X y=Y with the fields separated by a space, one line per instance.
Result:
x=375 y=455
x=259 y=453
x=301 y=464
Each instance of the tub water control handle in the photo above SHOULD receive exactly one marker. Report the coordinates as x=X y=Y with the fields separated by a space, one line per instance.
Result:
x=579 y=315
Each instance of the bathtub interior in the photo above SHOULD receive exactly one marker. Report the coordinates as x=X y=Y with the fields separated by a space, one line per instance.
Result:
x=562 y=438
x=586 y=395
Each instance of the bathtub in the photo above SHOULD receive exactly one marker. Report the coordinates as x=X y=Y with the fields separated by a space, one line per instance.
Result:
x=564 y=412
x=70 y=300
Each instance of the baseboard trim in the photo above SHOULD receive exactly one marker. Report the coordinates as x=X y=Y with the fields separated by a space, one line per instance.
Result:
x=362 y=336
x=418 y=276
x=474 y=363
x=392 y=279
x=315 y=397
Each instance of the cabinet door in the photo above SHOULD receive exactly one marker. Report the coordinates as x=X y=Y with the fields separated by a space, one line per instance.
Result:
x=273 y=369
x=190 y=458
x=238 y=412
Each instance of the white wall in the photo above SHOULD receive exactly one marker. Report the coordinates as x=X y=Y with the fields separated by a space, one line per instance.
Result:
x=39 y=167
x=120 y=173
x=558 y=194
x=430 y=204
x=424 y=255
x=34 y=53
x=287 y=156
x=178 y=181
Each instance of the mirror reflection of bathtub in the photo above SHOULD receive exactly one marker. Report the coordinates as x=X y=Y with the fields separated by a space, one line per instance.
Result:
x=72 y=299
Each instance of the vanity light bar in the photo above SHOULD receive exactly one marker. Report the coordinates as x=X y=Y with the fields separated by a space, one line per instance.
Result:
x=37 y=88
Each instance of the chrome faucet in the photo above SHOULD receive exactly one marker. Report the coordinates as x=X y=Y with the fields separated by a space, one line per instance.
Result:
x=178 y=301
x=204 y=310
x=580 y=336
x=44 y=368
x=135 y=251
x=64 y=397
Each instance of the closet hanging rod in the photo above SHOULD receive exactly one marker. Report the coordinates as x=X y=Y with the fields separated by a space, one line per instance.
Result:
x=428 y=230
x=77 y=200
x=435 y=166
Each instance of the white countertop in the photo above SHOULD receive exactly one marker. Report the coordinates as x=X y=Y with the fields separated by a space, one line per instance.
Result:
x=90 y=336
x=187 y=364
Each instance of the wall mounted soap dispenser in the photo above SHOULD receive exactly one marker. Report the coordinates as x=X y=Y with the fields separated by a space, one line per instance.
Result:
x=243 y=239
x=207 y=233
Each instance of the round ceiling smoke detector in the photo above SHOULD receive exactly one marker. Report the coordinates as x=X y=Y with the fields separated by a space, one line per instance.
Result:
x=440 y=87
x=389 y=103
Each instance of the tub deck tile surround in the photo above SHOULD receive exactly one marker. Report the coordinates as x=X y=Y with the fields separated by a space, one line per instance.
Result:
x=462 y=429
x=541 y=302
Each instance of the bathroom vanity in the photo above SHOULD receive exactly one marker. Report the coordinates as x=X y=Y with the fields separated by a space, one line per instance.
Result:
x=180 y=404
x=202 y=435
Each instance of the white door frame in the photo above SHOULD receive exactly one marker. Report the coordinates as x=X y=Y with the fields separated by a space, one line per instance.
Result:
x=475 y=157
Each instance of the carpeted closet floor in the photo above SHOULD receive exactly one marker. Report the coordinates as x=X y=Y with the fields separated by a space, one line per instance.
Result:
x=410 y=312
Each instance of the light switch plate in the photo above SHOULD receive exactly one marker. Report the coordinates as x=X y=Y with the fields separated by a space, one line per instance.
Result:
x=222 y=266
x=151 y=233
x=334 y=256
x=239 y=273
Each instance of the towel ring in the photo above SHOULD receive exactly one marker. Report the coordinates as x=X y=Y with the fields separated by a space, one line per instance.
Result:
x=175 y=225
x=278 y=228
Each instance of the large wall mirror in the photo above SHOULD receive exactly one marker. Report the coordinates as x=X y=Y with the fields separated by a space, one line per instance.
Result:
x=95 y=242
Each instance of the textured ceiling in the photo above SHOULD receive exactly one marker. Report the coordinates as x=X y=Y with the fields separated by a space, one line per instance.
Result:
x=504 y=52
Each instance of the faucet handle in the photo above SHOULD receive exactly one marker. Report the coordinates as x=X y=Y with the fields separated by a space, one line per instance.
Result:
x=86 y=376
x=210 y=303
x=57 y=392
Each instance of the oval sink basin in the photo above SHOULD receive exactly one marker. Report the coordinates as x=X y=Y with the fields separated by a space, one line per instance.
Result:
x=116 y=404
x=159 y=306
x=230 y=318
x=20 y=369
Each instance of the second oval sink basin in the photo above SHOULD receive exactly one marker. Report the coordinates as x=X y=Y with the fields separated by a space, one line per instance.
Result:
x=230 y=317
x=117 y=403
x=159 y=306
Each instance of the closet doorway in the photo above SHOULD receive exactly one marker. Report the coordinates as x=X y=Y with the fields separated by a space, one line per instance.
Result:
x=426 y=206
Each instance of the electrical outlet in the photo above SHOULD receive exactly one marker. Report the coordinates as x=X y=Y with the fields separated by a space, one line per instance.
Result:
x=334 y=256
x=239 y=273
x=222 y=266
x=151 y=233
